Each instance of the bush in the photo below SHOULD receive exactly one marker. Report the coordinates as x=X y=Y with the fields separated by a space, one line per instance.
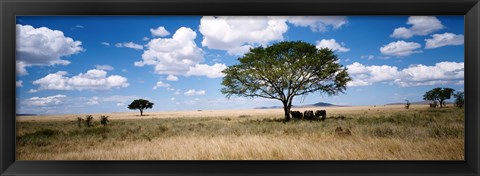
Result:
x=89 y=121
x=79 y=121
x=104 y=120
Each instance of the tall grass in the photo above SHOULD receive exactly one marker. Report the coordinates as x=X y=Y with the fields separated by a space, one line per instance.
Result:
x=419 y=134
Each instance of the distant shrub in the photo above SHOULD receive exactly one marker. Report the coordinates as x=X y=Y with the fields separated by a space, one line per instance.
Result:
x=89 y=121
x=79 y=121
x=407 y=105
x=104 y=120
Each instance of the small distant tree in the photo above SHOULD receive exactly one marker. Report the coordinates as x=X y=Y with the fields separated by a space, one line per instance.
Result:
x=89 y=120
x=104 y=120
x=407 y=105
x=439 y=94
x=140 y=104
x=459 y=99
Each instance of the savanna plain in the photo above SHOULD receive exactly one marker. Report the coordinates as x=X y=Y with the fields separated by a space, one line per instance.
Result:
x=367 y=133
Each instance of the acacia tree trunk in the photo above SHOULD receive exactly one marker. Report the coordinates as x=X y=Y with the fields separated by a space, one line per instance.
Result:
x=286 y=109
x=141 y=112
x=441 y=103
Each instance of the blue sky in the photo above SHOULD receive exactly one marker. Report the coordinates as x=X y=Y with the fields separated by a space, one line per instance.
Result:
x=93 y=64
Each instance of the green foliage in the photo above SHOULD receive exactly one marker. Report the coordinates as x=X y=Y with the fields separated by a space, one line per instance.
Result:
x=89 y=121
x=140 y=104
x=439 y=94
x=459 y=99
x=104 y=120
x=283 y=71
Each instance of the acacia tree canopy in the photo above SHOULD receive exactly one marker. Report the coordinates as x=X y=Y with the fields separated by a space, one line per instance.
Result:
x=140 y=104
x=439 y=95
x=283 y=71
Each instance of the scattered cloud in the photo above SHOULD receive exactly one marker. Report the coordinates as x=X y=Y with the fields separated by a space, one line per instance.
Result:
x=172 y=78
x=129 y=45
x=160 y=84
x=92 y=101
x=178 y=55
x=145 y=39
x=415 y=75
x=400 y=48
x=193 y=92
x=118 y=100
x=177 y=92
x=105 y=43
x=79 y=26
x=331 y=44
x=445 y=39
x=421 y=25
x=213 y=71
x=368 y=57
x=104 y=67
x=160 y=31
x=45 y=101
x=237 y=35
x=318 y=23
x=91 y=80
x=42 y=47
x=19 y=83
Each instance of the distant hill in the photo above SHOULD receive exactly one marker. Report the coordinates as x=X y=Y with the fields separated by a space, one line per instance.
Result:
x=26 y=114
x=319 y=104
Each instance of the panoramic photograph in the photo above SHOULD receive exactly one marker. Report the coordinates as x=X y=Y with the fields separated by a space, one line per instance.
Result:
x=240 y=88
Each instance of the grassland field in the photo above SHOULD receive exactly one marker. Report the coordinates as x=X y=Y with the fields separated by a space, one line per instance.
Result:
x=377 y=133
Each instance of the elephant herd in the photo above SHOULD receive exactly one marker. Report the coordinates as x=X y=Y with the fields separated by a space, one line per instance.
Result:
x=319 y=114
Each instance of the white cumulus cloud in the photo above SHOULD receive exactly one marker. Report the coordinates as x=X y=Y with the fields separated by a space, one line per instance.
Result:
x=400 y=48
x=331 y=44
x=160 y=31
x=104 y=67
x=160 y=84
x=19 y=83
x=45 y=101
x=172 y=78
x=193 y=92
x=42 y=47
x=91 y=80
x=237 y=34
x=439 y=40
x=415 y=75
x=213 y=71
x=129 y=45
x=178 y=55
x=173 y=55
x=421 y=25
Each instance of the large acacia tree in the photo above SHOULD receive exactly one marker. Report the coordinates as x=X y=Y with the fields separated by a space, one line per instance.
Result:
x=439 y=94
x=285 y=70
x=140 y=104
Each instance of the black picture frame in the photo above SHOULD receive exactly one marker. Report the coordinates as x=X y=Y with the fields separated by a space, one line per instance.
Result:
x=11 y=8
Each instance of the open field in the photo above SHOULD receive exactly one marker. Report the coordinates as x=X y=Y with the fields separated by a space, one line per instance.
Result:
x=377 y=133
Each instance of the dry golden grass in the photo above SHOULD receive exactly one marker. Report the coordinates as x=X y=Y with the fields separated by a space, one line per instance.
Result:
x=381 y=133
